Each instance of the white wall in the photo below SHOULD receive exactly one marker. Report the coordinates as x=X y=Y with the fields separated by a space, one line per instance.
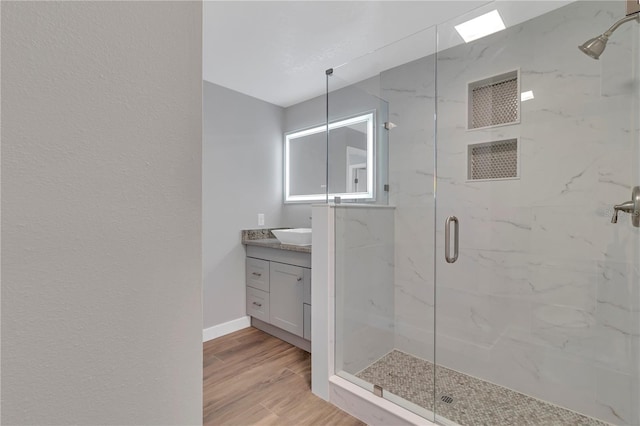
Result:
x=242 y=176
x=101 y=213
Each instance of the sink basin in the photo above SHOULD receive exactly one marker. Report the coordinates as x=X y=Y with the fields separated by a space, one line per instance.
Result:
x=295 y=237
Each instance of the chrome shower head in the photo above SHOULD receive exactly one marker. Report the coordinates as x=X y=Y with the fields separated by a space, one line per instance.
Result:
x=595 y=46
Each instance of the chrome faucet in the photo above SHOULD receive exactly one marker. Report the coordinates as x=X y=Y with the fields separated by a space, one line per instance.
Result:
x=632 y=207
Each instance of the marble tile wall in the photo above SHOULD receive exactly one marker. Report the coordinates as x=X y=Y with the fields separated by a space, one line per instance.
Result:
x=364 y=299
x=545 y=297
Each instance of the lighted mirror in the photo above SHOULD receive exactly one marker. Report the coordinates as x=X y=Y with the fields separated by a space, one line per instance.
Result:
x=350 y=165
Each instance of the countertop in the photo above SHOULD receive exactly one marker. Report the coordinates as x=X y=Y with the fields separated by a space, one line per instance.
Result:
x=276 y=244
x=264 y=238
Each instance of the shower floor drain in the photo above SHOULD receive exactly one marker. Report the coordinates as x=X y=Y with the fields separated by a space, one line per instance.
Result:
x=447 y=399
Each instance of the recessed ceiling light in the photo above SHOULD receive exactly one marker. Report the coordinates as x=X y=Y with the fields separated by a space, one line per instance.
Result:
x=525 y=96
x=481 y=26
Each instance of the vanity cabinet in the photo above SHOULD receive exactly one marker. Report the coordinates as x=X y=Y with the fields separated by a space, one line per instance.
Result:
x=279 y=293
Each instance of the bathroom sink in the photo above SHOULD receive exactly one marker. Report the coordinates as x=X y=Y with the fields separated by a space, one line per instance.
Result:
x=296 y=237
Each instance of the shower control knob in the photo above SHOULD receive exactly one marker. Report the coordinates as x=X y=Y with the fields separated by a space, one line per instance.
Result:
x=632 y=207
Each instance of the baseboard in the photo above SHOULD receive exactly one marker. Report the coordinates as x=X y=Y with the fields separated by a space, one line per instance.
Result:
x=225 y=328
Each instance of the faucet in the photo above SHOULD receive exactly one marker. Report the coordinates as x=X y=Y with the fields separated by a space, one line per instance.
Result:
x=625 y=207
x=632 y=207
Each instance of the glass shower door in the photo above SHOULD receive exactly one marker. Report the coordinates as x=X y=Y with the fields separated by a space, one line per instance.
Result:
x=384 y=278
x=537 y=291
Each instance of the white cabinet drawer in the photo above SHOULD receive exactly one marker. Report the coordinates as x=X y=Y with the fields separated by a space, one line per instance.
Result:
x=258 y=304
x=257 y=273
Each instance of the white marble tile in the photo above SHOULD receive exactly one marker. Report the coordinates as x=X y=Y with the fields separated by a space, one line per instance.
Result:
x=615 y=396
x=364 y=273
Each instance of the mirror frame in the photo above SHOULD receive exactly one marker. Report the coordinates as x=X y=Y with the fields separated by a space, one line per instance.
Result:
x=369 y=195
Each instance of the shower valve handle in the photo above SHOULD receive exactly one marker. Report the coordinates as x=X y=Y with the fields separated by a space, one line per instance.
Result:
x=632 y=207
x=625 y=207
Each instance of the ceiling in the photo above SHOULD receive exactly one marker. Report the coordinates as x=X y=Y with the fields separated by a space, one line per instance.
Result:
x=278 y=51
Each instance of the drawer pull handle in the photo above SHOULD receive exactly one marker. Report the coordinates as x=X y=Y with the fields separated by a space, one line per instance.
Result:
x=259 y=305
x=299 y=278
x=257 y=274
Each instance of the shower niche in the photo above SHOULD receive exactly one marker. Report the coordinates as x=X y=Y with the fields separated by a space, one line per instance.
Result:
x=493 y=160
x=494 y=101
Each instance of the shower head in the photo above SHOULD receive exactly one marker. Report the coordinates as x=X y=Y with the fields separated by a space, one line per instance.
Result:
x=595 y=46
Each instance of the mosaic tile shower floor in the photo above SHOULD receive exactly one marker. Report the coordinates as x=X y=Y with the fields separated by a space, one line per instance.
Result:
x=475 y=402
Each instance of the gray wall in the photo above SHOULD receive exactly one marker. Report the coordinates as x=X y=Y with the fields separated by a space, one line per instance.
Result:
x=101 y=213
x=242 y=176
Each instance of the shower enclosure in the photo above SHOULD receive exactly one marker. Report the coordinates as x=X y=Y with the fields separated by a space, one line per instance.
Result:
x=485 y=283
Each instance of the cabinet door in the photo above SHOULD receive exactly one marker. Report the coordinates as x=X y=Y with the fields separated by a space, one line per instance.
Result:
x=287 y=286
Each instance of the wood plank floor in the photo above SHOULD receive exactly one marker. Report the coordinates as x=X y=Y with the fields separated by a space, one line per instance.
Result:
x=252 y=378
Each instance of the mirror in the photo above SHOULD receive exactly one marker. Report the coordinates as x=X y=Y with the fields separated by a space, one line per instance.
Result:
x=350 y=165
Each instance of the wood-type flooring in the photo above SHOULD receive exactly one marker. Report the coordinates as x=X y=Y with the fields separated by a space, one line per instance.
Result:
x=253 y=378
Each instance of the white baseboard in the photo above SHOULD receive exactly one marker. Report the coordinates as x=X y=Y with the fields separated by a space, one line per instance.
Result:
x=225 y=328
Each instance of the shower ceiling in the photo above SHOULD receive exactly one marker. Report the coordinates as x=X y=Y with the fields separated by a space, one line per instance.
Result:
x=278 y=51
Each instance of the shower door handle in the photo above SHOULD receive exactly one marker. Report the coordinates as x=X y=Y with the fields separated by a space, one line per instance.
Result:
x=447 y=239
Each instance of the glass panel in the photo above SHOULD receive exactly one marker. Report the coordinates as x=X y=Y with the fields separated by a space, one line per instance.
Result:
x=384 y=254
x=357 y=141
x=537 y=322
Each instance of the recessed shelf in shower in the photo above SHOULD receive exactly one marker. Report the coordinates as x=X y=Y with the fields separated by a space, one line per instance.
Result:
x=494 y=101
x=493 y=160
